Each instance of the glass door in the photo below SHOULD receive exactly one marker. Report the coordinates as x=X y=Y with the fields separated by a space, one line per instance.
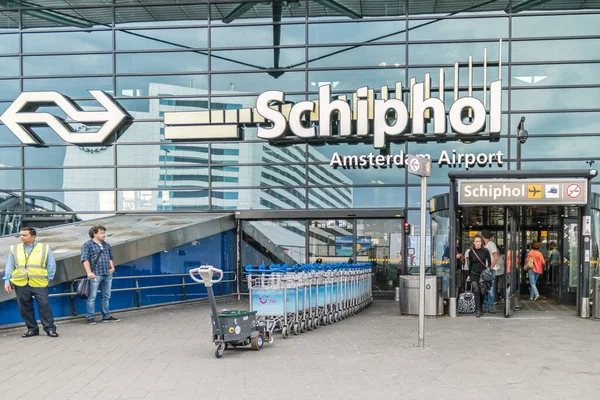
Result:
x=271 y=242
x=331 y=240
x=381 y=242
x=512 y=256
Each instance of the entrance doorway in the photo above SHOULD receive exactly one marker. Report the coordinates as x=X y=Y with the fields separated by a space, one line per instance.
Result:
x=331 y=236
x=552 y=209
x=514 y=229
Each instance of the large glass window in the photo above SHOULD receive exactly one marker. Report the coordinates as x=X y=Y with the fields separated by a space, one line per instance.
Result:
x=257 y=199
x=556 y=123
x=83 y=64
x=458 y=28
x=347 y=32
x=262 y=35
x=72 y=178
x=555 y=50
x=187 y=61
x=555 y=99
x=359 y=56
x=157 y=39
x=9 y=43
x=556 y=25
x=72 y=87
x=163 y=57
x=78 y=41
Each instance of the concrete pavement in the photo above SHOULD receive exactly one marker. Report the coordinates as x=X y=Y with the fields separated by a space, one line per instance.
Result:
x=166 y=353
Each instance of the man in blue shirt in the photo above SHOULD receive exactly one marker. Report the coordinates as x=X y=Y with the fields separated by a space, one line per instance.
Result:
x=29 y=267
x=97 y=259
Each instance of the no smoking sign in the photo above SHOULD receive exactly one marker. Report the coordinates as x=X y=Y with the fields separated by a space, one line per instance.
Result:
x=573 y=190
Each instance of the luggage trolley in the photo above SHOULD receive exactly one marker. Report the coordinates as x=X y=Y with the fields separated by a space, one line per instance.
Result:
x=229 y=327
x=301 y=298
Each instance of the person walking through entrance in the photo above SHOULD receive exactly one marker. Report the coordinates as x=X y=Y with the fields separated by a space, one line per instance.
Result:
x=536 y=270
x=29 y=267
x=479 y=259
x=98 y=252
x=488 y=304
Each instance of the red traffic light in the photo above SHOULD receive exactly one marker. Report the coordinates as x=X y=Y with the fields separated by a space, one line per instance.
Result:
x=406 y=228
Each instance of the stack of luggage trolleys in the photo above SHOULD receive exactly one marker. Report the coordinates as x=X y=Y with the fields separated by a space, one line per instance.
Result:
x=303 y=297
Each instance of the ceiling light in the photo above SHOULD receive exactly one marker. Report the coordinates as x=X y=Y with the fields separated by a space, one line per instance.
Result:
x=382 y=64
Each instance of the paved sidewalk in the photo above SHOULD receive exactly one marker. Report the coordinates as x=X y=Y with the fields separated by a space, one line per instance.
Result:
x=166 y=353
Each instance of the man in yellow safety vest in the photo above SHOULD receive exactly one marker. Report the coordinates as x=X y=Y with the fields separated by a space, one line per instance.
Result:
x=29 y=267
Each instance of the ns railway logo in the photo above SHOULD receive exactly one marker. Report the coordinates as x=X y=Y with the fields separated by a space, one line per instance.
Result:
x=366 y=116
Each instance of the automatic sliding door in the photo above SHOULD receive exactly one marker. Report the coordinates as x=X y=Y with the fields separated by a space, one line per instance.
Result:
x=272 y=242
x=381 y=242
x=331 y=240
x=513 y=267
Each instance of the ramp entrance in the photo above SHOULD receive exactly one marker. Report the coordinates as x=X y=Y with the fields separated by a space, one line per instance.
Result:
x=551 y=210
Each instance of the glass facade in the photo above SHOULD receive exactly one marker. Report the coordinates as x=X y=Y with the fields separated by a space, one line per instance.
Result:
x=159 y=56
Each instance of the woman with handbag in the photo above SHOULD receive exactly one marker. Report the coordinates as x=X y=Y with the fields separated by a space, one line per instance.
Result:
x=534 y=265
x=479 y=260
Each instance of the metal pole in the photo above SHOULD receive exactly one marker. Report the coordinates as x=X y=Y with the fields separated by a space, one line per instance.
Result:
x=453 y=235
x=422 y=264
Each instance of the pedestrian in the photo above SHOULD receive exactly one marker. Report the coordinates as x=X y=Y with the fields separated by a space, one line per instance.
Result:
x=536 y=270
x=479 y=259
x=29 y=267
x=97 y=259
x=488 y=304
x=466 y=267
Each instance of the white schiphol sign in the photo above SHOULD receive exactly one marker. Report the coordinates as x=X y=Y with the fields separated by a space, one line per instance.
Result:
x=485 y=192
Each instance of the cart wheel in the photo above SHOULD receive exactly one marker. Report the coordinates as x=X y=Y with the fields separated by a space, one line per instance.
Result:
x=316 y=323
x=219 y=350
x=270 y=338
x=284 y=332
x=296 y=329
x=324 y=320
x=257 y=342
x=336 y=317
x=330 y=318
x=310 y=324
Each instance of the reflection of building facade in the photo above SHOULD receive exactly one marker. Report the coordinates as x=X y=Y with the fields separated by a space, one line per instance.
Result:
x=185 y=166
x=172 y=57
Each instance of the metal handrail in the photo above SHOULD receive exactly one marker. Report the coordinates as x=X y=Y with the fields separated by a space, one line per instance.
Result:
x=137 y=288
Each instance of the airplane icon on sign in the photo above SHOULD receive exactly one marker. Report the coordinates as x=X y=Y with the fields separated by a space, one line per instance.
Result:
x=534 y=191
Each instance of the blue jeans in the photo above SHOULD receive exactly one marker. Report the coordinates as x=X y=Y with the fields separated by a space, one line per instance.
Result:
x=533 y=278
x=488 y=303
x=90 y=304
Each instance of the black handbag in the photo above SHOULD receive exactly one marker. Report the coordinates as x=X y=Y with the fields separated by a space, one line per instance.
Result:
x=83 y=289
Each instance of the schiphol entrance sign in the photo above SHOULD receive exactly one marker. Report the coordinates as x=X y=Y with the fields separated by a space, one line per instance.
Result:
x=361 y=116
x=483 y=192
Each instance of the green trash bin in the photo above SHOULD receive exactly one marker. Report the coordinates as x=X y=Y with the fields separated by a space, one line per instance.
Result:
x=236 y=325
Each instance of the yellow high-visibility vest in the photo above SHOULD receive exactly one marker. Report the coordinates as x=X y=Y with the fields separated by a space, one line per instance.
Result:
x=30 y=269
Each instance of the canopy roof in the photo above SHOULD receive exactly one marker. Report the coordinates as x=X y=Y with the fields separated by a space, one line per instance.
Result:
x=61 y=13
